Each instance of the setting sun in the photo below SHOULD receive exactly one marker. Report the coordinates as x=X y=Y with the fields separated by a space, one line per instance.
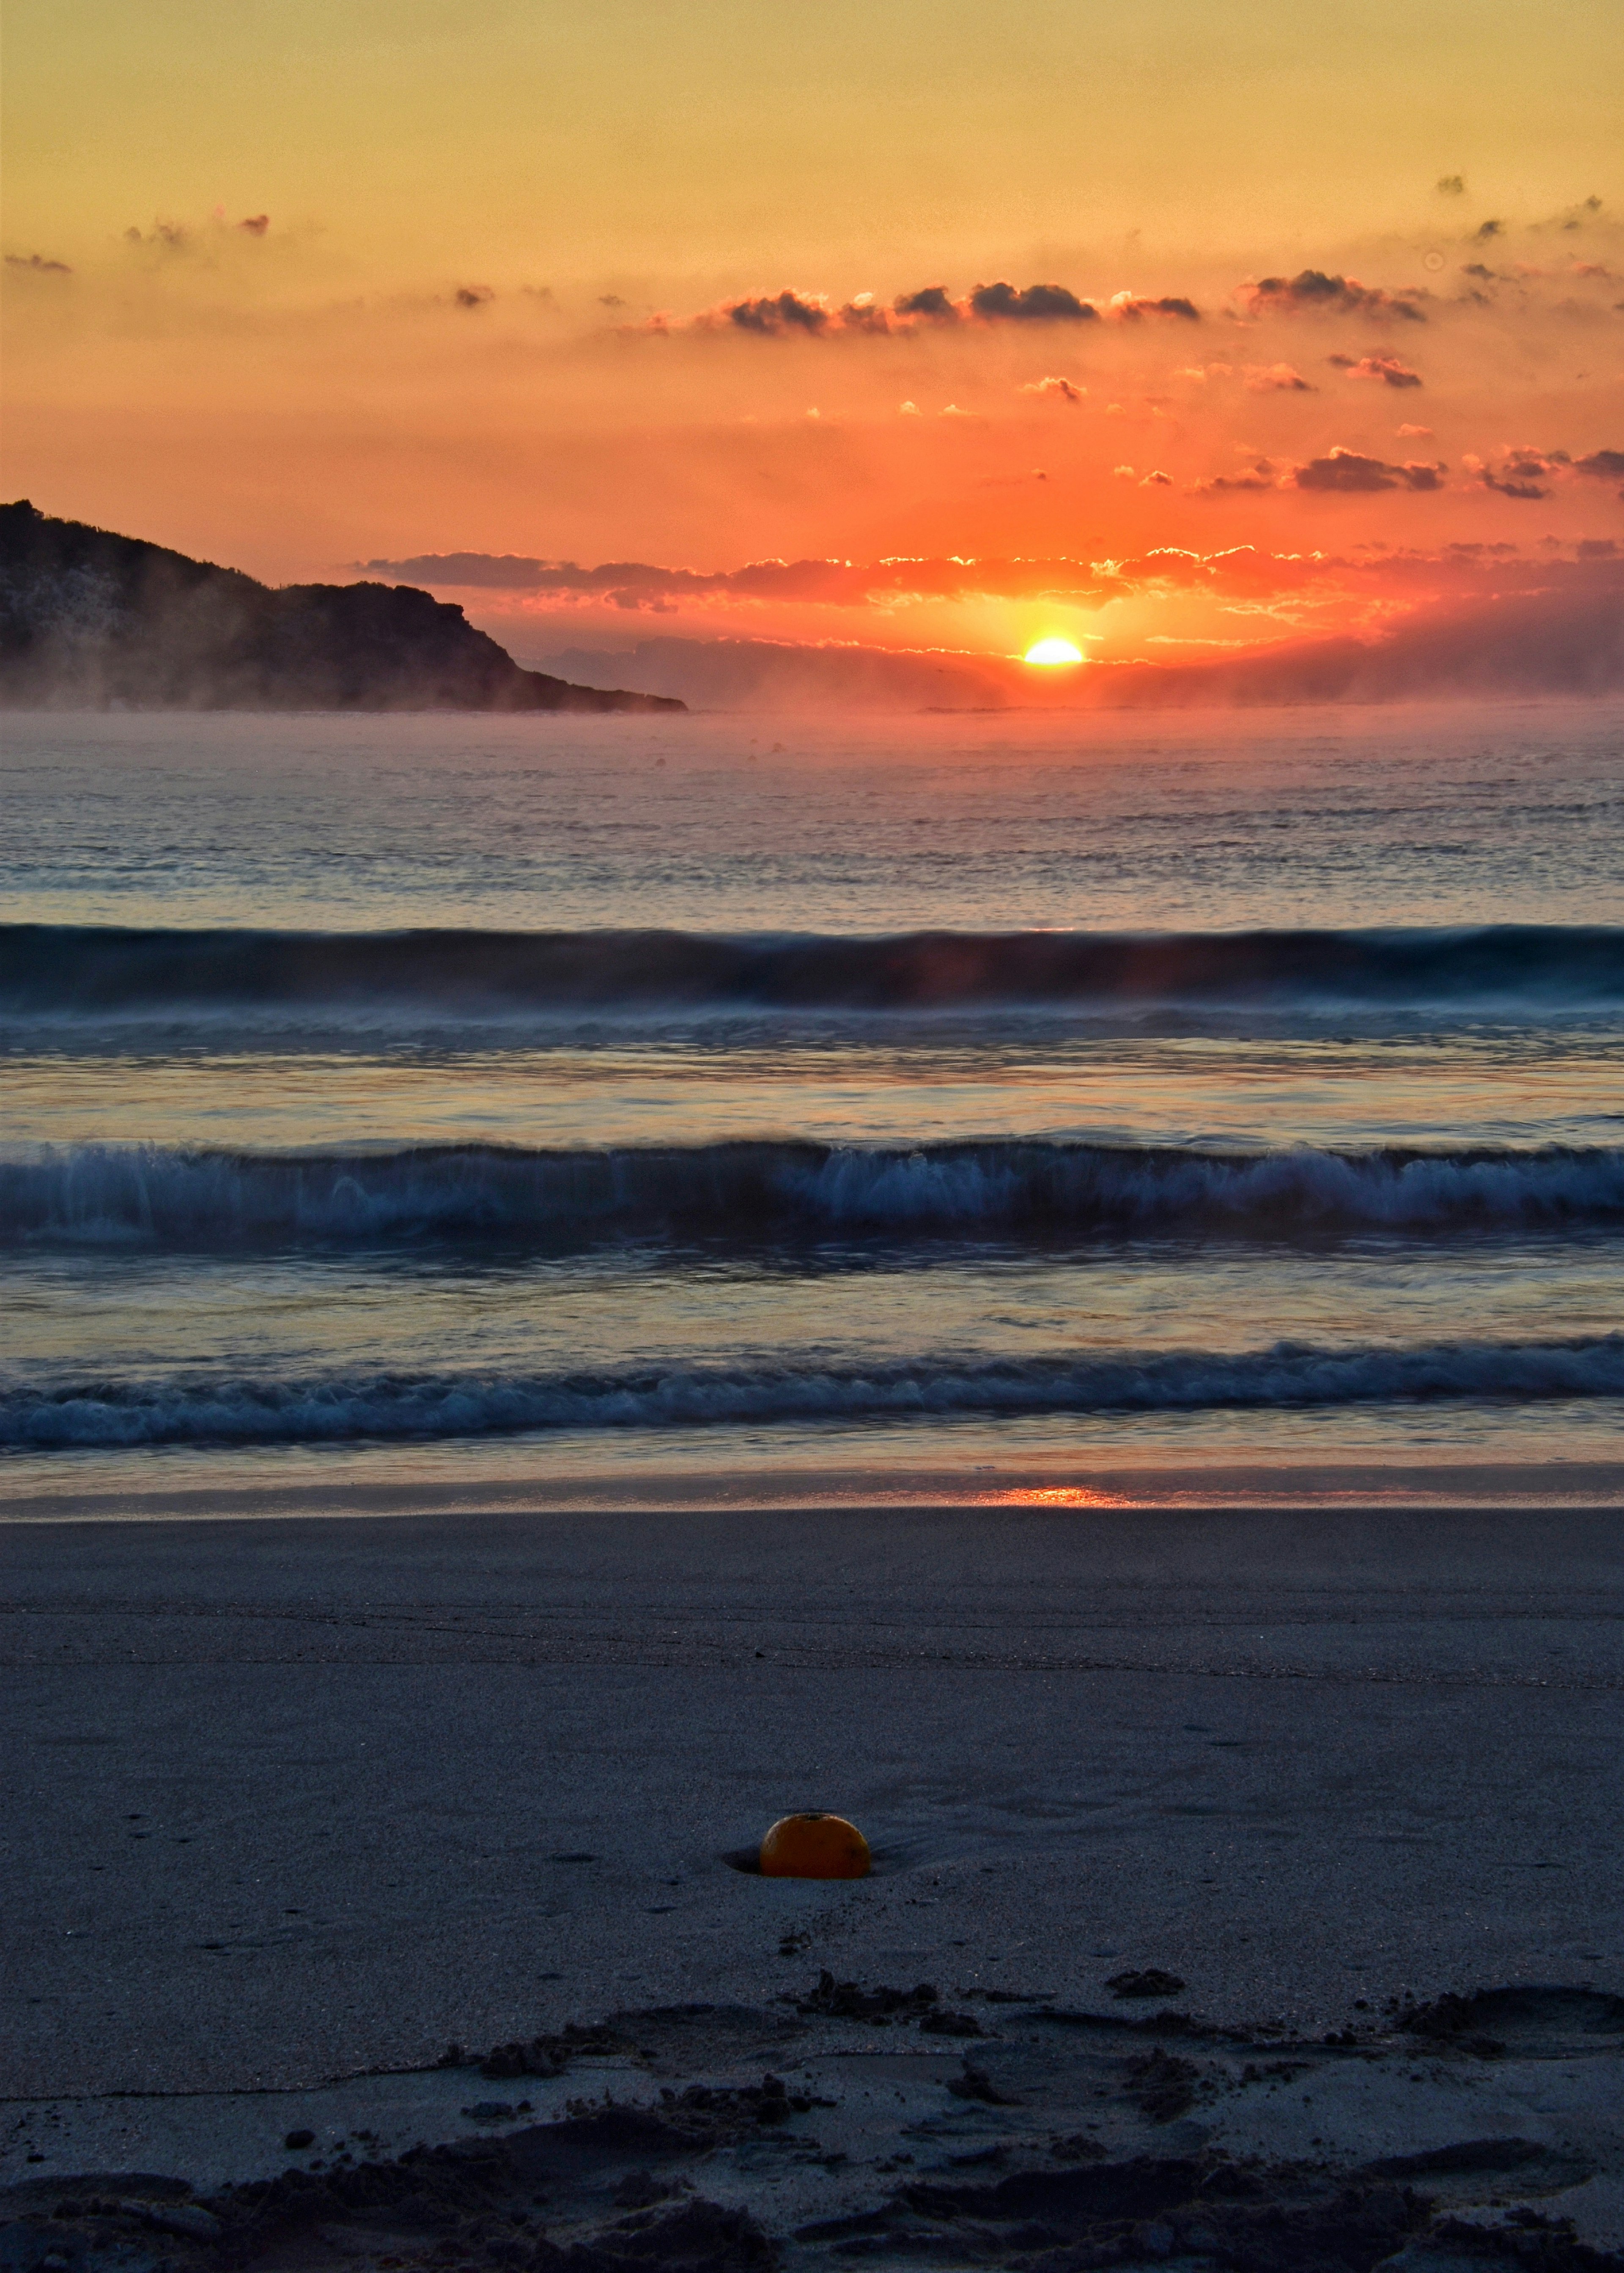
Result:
x=1052 y=651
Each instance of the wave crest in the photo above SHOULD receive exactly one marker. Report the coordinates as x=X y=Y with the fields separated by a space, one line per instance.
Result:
x=751 y=1192
x=201 y=1410
x=65 y=969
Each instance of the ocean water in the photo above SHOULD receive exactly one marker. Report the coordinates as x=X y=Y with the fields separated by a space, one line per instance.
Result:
x=1000 y=1106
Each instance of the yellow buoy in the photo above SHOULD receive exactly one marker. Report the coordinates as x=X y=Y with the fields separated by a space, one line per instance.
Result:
x=814 y=1846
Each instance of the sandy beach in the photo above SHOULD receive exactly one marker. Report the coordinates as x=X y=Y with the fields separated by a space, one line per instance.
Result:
x=312 y=1799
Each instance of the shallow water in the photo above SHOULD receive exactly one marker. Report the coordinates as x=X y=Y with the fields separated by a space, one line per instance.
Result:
x=948 y=1098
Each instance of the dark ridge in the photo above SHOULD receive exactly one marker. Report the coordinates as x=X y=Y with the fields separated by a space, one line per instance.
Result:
x=92 y=620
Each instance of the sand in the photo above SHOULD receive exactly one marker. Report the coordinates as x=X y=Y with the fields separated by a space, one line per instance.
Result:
x=290 y=1801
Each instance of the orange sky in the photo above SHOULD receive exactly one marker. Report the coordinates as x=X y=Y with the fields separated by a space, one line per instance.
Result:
x=301 y=287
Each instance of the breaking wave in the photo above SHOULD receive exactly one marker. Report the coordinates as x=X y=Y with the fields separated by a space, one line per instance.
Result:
x=206 y=1409
x=752 y=1192
x=79 y=970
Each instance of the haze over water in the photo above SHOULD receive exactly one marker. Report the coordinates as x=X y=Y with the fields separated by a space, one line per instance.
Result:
x=768 y=1188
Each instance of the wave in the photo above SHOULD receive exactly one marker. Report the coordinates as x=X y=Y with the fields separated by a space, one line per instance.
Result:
x=78 y=970
x=757 y=1192
x=205 y=1410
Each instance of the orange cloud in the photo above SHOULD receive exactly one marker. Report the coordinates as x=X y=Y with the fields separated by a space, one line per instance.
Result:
x=1068 y=390
x=1276 y=378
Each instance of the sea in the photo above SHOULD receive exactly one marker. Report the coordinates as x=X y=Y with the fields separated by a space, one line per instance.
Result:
x=1028 y=1107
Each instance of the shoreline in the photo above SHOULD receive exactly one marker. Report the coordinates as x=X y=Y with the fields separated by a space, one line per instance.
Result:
x=1145 y=1489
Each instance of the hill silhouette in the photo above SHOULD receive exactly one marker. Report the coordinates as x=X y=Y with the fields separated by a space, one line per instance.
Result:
x=90 y=619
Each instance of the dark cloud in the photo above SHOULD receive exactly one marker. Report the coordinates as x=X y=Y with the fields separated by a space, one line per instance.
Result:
x=933 y=302
x=1067 y=389
x=1036 y=303
x=1528 y=473
x=1312 y=290
x=1602 y=465
x=1451 y=185
x=1386 y=368
x=1487 y=229
x=1259 y=475
x=473 y=295
x=171 y=236
x=256 y=224
x=38 y=263
x=1131 y=309
x=1523 y=473
x=1349 y=471
x=777 y=313
x=814 y=315
x=865 y=314
x=610 y=300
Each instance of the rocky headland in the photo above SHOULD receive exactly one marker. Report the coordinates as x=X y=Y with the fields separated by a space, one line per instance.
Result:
x=92 y=620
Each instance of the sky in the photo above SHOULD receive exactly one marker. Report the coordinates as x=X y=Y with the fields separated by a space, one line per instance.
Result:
x=1171 y=330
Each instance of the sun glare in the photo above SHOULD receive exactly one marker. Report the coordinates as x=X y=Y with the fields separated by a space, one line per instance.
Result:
x=1052 y=651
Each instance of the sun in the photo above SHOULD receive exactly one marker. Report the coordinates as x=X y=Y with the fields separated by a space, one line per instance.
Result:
x=1052 y=651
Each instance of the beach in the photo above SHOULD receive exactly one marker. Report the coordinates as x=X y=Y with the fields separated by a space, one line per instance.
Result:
x=305 y=1799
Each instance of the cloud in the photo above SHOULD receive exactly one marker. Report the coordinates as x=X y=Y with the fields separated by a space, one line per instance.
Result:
x=1601 y=466
x=635 y=584
x=472 y=296
x=933 y=302
x=1487 y=231
x=1067 y=389
x=1156 y=480
x=1036 y=303
x=777 y=313
x=256 y=224
x=1276 y=378
x=1451 y=185
x=166 y=236
x=1349 y=471
x=1409 y=433
x=1259 y=475
x=865 y=314
x=1129 y=308
x=791 y=313
x=1527 y=473
x=1567 y=641
x=1312 y=291
x=1364 y=586
x=1386 y=368
x=38 y=263
x=1522 y=473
